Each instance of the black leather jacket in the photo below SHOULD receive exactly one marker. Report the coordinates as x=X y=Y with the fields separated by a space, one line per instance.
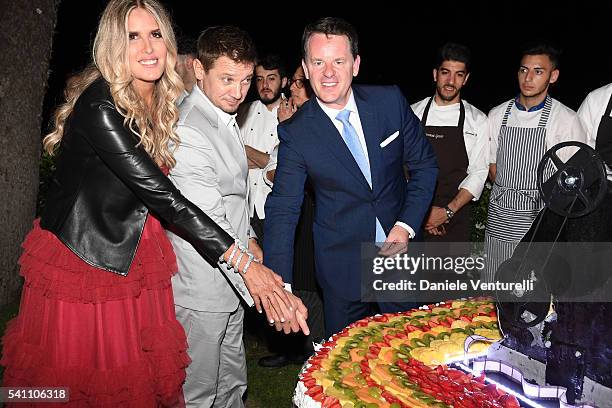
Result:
x=105 y=185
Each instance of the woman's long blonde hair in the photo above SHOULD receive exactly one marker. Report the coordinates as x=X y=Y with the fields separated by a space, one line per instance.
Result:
x=155 y=123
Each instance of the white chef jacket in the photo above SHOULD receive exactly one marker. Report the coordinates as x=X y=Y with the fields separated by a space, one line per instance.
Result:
x=475 y=137
x=563 y=125
x=258 y=128
x=592 y=109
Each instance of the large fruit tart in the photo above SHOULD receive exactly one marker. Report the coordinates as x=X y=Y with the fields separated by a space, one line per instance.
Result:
x=398 y=360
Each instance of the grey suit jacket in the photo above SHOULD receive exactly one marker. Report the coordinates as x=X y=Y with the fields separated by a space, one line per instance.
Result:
x=211 y=171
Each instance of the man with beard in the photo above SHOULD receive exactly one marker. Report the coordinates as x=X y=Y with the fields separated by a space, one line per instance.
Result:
x=521 y=131
x=458 y=133
x=258 y=123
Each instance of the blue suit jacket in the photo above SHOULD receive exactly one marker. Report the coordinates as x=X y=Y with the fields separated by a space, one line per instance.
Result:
x=345 y=206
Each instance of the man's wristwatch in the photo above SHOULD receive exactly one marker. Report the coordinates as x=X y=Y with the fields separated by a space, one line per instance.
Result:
x=449 y=213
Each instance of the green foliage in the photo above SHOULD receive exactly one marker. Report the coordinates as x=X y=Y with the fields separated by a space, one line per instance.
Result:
x=479 y=215
x=267 y=387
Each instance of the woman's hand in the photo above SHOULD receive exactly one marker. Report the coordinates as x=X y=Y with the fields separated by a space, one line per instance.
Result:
x=286 y=109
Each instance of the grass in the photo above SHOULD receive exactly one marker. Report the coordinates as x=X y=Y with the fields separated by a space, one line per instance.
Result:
x=267 y=387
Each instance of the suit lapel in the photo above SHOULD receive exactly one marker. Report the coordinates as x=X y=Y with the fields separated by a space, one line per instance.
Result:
x=323 y=127
x=223 y=133
x=371 y=132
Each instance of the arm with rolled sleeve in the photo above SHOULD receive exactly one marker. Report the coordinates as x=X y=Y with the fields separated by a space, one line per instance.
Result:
x=420 y=159
x=283 y=207
x=478 y=160
x=271 y=166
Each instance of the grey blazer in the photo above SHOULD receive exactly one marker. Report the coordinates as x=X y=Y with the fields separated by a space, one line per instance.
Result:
x=212 y=172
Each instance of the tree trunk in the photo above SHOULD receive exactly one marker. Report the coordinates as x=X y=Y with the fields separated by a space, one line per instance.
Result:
x=26 y=35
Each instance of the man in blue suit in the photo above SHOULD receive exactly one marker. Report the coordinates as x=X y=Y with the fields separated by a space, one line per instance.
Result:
x=353 y=142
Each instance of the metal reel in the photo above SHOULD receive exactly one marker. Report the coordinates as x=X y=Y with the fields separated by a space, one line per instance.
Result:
x=578 y=186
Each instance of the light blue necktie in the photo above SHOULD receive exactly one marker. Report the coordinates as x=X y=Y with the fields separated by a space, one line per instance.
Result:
x=350 y=137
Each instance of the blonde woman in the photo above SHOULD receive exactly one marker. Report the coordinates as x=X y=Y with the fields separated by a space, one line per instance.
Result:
x=97 y=313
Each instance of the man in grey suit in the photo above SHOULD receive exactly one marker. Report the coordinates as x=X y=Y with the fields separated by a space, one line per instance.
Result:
x=211 y=170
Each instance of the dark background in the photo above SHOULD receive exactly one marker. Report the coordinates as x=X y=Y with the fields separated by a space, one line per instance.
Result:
x=398 y=41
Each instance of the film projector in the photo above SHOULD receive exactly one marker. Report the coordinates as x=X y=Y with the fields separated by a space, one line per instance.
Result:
x=560 y=333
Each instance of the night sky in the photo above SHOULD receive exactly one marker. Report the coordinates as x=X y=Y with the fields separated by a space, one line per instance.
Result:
x=396 y=47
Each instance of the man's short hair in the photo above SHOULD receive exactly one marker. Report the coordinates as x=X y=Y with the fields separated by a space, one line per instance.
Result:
x=225 y=41
x=454 y=52
x=543 y=48
x=331 y=26
x=186 y=45
x=271 y=62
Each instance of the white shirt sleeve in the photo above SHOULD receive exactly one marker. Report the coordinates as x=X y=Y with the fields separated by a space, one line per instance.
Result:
x=270 y=166
x=478 y=158
x=494 y=120
x=407 y=227
x=592 y=109
x=566 y=127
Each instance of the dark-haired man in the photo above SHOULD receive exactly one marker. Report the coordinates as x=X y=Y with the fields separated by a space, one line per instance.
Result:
x=186 y=53
x=211 y=169
x=258 y=121
x=352 y=141
x=458 y=133
x=521 y=131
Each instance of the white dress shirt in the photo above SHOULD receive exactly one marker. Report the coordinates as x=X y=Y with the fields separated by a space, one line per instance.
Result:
x=356 y=122
x=475 y=137
x=258 y=129
x=563 y=125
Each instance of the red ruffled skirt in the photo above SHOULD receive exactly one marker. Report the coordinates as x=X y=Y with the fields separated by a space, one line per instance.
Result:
x=114 y=341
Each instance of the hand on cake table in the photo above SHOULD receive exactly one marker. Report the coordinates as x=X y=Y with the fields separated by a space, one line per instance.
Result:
x=265 y=286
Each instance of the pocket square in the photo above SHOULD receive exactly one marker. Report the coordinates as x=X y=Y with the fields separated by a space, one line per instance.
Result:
x=391 y=138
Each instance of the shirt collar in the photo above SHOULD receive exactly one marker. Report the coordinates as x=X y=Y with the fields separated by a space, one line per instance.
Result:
x=226 y=118
x=520 y=107
x=351 y=105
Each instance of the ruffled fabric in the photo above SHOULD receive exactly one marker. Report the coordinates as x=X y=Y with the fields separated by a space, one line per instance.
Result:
x=113 y=341
x=49 y=266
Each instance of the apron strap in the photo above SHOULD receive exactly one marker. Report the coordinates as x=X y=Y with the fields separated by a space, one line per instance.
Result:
x=609 y=107
x=505 y=119
x=426 y=112
x=461 y=113
x=545 y=112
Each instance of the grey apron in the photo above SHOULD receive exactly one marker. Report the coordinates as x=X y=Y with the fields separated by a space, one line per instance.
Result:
x=514 y=202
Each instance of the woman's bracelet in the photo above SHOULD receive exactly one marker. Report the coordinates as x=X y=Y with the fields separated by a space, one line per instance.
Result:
x=248 y=263
x=229 y=261
x=237 y=264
